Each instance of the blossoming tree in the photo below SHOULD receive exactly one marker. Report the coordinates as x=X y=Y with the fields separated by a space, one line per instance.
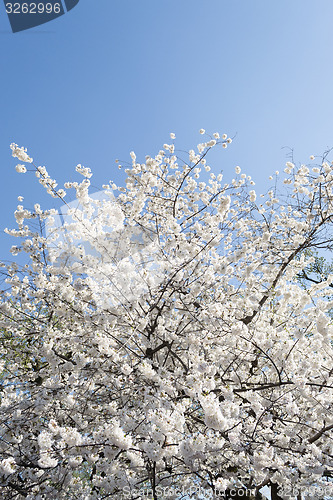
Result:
x=195 y=366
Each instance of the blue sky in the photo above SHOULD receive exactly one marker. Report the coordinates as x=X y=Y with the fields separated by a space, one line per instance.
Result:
x=114 y=76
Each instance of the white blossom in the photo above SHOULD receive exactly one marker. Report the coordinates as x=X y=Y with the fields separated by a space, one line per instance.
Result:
x=8 y=465
x=45 y=440
x=21 y=169
x=20 y=153
x=253 y=195
x=85 y=171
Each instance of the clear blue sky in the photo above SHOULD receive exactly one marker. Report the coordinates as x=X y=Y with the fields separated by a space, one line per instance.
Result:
x=114 y=76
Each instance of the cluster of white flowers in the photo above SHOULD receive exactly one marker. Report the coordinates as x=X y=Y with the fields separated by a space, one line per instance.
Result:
x=253 y=195
x=45 y=440
x=20 y=153
x=8 y=466
x=85 y=171
x=71 y=436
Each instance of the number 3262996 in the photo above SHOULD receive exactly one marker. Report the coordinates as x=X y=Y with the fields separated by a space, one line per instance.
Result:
x=33 y=8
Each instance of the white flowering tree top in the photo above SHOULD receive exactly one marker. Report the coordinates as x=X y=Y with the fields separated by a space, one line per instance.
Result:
x=195 y=364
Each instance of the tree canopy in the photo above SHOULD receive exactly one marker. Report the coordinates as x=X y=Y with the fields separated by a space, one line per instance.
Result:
x=160 y=343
